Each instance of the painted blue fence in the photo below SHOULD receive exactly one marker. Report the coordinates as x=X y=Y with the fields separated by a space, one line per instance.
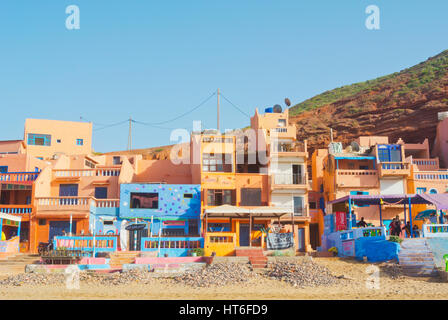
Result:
x=172 y=246
x=85 y=243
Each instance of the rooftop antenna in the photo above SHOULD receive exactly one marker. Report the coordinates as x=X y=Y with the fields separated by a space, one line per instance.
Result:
x=217 y=120
x=130 y=134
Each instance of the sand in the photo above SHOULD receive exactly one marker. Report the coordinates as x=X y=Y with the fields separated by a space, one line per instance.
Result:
x=352 y=285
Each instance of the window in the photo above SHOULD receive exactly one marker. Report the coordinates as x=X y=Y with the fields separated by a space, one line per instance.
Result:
x=363 y=167
x=39 y=139
x=89 y=164
x=433 y=191
x=58 y=141
x=144 y=200
x=42 y=222
x=217 y=197
x=101 y=192
x=116 y=161
x=3 y=169
x=421 y=190
x=313 y=205
x=215 y=163
x=188 y=195
x=389 y=153
x=282 y=122
x=40 y=158
x=250 y=197
x=298 y=206
x=79 y=142
x=219 y=227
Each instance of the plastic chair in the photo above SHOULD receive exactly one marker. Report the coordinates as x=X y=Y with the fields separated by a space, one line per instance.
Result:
x=445 y=257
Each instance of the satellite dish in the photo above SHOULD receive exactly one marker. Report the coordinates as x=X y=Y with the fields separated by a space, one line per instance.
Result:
x=355 y=146
x=277 y=108
x=288 y=102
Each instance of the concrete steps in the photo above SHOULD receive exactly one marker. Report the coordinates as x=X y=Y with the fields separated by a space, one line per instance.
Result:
x=256 y=256
x=117 y=259
x=416 y=258
x=16 y=263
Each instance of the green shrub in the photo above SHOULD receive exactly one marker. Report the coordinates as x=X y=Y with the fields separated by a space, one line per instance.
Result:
x=395 y=239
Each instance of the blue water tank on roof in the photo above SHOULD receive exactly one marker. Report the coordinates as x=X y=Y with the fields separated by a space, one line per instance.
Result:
x=269 y=110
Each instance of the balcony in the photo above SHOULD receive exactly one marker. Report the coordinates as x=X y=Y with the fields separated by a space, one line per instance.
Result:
x=63 y=203
x=288 y=181
x=299 y=212
x=78 y=173
x=23 y=211
x=388 y=169
x=432 y=176
x=18 y=177
x=296 y=149
x=426 y=164
x=357 y=178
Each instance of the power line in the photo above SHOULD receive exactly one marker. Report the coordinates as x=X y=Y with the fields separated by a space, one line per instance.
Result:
x=236 y=107
x=112 y=125
x=151 y=125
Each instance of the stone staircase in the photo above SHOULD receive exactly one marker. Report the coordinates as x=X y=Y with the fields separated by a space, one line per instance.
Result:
x=16 y=263
x=118 y=258
x=256 y=257
x=416 y=258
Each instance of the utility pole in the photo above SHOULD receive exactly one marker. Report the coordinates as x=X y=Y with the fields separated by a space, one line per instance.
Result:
x=130 y=134
x=218 y=113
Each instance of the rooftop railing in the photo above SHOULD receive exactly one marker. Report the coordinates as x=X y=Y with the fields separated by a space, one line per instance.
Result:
x=76 y=173
x=15 y=209
x=433 y=175
x=289 y=179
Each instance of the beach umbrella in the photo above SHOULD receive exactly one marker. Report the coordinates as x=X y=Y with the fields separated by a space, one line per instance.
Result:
x=425 y=214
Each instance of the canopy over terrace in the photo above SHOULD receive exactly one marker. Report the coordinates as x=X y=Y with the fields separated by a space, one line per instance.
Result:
x=228 y=211
x=440 y=201
x=10 y=220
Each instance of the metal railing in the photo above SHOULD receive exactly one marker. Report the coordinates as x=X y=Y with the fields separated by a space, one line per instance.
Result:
x=289 y=179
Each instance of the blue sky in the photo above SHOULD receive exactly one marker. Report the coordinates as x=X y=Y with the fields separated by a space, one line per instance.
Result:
x=154 y=60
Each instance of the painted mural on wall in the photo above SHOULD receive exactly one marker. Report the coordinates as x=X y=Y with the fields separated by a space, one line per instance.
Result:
x=159 y=200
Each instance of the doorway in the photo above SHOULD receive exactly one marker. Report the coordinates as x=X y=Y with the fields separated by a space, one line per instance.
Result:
x=244 y=234
x=57 y=228
x=314 y=235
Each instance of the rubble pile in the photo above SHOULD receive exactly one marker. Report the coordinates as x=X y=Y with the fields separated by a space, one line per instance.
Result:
x=301 y=274
x=218 y=274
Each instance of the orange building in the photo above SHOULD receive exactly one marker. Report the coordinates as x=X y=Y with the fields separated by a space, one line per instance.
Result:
x=46 y=139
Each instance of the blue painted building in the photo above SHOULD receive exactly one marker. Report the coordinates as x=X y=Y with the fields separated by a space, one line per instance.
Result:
x=174 y=209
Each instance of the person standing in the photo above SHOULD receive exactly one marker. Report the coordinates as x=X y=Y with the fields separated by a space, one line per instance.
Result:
x=397 y=226
x=392 y=227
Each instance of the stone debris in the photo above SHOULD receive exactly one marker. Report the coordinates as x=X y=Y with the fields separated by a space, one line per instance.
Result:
x=217 y=274
x=305 y=273
x=33 y=279
x=391 y=270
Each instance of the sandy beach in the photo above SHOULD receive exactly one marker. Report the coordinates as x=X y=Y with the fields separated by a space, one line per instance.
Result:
x=351 y=285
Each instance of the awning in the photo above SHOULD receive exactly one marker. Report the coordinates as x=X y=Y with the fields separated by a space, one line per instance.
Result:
x=242 y=212
x=439 y=200
x=6 y=216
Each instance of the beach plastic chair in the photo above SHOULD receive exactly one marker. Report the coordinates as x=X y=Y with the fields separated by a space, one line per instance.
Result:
x=445 y=257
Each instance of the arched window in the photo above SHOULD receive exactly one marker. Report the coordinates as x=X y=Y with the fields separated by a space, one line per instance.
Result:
x=433 y=191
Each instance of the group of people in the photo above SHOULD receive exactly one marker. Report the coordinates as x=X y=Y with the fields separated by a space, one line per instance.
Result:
x=396 y=229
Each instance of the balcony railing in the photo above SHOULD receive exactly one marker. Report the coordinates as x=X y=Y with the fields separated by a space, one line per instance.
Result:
x=289 y=147
x=289 y=179
x=426 y=164
x=19 y=177
x=55 y=203
x=300 y=211
x=395 y=166
x=16 y=209
x=356 y=178
x=106 y=203
x=77 y=173
x=433 y=175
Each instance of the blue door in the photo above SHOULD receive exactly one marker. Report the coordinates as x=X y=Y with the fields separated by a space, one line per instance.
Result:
x=301 y=238
x=244 y=235
x=57 y=228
